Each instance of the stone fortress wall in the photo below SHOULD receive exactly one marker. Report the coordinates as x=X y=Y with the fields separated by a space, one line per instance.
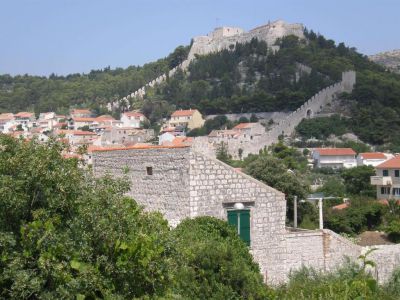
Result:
x=285 y=126
x=219 y=39
x=307 y=110
x=186 y=184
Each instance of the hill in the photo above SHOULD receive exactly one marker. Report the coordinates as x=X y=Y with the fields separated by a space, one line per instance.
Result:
x=388 y=59
x=249 y=77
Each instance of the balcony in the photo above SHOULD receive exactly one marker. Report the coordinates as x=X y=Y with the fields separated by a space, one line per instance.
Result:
x=381 y=180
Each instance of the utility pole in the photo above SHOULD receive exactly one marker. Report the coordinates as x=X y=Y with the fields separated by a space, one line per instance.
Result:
x=321 y=218
x=295 y=211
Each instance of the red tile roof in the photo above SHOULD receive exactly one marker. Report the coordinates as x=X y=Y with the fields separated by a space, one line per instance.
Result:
x=6 y=116
x=133 y=114
x=24 y=114
x=75 y=132
x=104 y=118
x=140 y=147
x=373 y=155
x=81 y=111
x=84 y=119
x=335 y=151
x=341 y=206
x=244 y=125
x=184 y=113
x=393 y=163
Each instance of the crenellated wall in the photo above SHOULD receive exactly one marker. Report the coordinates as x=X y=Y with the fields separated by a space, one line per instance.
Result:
x=287 y=125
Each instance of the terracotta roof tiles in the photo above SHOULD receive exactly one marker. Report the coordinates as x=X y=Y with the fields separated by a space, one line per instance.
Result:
x=373 y=155
x=335 y=151
x=393 y=163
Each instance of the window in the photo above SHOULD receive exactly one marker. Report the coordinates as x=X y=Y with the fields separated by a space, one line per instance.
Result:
x=396 y=173
x=149 y=170
x=385 y=172
x=240 y=219
x=385 y=190
x=396 y=191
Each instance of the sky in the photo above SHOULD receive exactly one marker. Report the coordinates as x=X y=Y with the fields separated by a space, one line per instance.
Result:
x=40 y=37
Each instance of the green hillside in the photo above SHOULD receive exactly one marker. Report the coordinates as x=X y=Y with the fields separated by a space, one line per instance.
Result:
x=248 y=78
x=98 y=87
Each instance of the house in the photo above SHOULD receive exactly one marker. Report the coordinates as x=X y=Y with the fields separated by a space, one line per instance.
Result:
x=125 y=135
x=7 y=121
x=189 y=119
x=133 y=119
x=77 y=123
x=249 y=130
x=81 y=113
x=78 y=137
x=25 y=119
x=181 y=183
x=47 y=120
x=171 y=140
x=387 y=179
x=335 y=158
x=372 y=158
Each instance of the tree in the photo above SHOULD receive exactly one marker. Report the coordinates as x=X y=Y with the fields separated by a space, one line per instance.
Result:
x=274 y=173
x=222 y=153
x=214 y=263
x=357 y=181
x=59 y=236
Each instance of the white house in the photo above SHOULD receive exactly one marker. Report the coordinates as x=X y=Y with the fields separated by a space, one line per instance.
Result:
x=387 y=179
x=334 y=158
x=372 y=158
x=7 y=121
x=25 y=119
x=166 y=137
x=132 y=119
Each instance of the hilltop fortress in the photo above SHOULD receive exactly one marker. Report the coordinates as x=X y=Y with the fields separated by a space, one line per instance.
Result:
x=219 y=39
x=227 y=37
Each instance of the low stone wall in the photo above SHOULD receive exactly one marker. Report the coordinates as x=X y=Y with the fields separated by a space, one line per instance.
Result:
x=386 y=258
x=305 y=248
x=325 y=250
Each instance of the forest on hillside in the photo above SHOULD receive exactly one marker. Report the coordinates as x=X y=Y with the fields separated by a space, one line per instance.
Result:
x=92 y=90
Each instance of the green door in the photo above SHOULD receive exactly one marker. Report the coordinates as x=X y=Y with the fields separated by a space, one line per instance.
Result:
x=240 y=219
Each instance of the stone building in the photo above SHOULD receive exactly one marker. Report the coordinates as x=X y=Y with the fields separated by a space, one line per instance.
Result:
x=182 y=183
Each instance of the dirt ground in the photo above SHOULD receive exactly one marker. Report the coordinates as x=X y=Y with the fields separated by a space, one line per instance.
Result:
x=369 y=238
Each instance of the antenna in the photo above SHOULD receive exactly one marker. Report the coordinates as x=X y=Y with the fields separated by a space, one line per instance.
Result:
x=216 y=22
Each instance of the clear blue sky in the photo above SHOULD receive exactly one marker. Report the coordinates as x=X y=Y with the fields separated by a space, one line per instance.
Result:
x=74 y=36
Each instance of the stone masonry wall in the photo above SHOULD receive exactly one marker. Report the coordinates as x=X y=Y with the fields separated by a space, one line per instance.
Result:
x=185 y=183
x=215 y=187
x=165 y=191
x=305 y=248
x=387 y=259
